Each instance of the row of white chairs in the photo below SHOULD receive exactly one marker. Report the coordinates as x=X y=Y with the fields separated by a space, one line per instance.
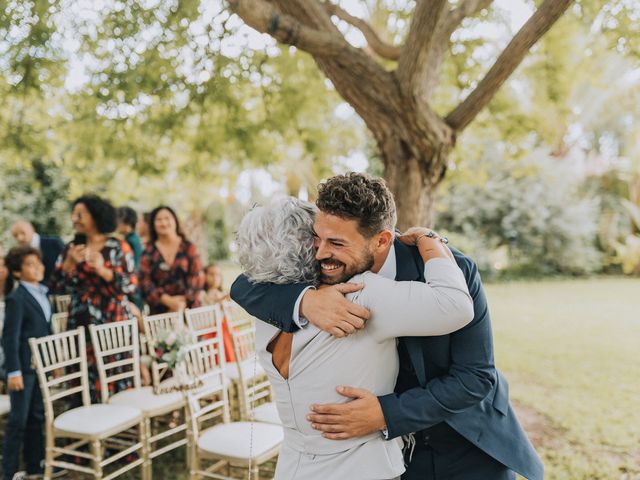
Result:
x=145 y=424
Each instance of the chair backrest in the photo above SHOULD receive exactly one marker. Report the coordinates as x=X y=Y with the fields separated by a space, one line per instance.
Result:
x=61 y=303
x=203 y=361
x=117 y=353
x=203 y=321
x=59 y=322
x=61 y=359
x=235 y=314
x=253 y=389
x=154 y=324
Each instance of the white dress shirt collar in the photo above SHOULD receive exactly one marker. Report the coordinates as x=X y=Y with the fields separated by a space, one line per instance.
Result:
x=389 y=267
x=35 y=241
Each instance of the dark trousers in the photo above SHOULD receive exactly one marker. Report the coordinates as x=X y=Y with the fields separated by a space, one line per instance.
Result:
x=443 y=454
x=24 y=429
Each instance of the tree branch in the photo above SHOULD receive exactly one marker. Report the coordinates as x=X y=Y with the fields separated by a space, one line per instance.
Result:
x=266 y=18
x=426 y=17
x=539 y=23
x=376 y=44
x=430 y=71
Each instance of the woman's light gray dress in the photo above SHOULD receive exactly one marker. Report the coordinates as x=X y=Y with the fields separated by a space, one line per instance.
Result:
x=367 y=359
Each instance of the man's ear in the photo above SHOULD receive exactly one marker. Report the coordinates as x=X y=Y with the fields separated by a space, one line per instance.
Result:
x=385 y=238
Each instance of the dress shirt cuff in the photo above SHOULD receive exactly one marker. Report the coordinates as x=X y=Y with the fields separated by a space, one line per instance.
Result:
x=15 y=373
x=298 y=319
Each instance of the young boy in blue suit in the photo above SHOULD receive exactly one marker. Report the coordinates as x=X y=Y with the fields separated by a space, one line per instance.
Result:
x=27 y=314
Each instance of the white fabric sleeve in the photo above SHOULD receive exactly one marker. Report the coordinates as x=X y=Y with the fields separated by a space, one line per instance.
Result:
x=440 y=306
x=298 y=319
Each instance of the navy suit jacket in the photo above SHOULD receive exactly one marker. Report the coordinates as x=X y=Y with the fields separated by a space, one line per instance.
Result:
x=457 y=379
x=23 y=320
x=51 y=248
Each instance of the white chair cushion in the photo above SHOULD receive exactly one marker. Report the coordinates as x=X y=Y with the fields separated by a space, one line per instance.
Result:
x=267 y=413
x=5 y=405
x=251 y=368
x=97 y=421
x=235 y=440
x=144 y=399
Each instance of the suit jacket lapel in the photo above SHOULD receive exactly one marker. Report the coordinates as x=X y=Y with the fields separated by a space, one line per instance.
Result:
x=34 y=303
x=408 y=268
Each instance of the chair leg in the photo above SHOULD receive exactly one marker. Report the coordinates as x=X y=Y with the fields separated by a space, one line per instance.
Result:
x=48 y=459
x=147 y=467
x=96 y=452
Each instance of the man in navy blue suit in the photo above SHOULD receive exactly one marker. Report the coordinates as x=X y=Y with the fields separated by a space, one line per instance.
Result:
x=450 y=401
x=50 y=246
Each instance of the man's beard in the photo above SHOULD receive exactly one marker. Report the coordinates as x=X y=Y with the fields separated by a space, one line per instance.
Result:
x=365 y=263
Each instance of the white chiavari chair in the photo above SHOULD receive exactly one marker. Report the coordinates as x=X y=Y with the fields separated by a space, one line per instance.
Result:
x=101 y=428
x=117 y=354
x=59 y=322
x=254 y=392
x=153 y=326
x=212 y=435
x=202 y=321
x=61 y=303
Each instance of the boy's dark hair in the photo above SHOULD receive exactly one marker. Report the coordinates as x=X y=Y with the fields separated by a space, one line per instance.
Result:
x=128 y=216
x=362 y=197
x=13 y=260
x=102 y=212
x=153 y=235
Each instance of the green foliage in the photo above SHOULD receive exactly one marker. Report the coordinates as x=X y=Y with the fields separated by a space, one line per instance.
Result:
x=38 y=193
x=531 y=211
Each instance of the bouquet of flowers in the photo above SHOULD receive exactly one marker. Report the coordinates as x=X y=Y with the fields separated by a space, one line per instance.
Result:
x=170 y=346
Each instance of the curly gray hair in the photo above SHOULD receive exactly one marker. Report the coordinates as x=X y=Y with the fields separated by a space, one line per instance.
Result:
x=275 y=242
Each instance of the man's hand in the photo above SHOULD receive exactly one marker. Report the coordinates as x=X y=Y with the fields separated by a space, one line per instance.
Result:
x=328 y=310
x=361 y=416
x=15 y=384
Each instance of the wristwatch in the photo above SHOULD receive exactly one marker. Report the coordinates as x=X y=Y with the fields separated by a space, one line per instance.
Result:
x=385 y=432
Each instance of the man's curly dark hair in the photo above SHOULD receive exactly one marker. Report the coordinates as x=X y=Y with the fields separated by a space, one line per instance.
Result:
x=102 y=212
x=359 y=196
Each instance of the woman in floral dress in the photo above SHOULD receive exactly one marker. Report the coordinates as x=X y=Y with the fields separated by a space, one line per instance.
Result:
x=171 y=276
x=98 y=271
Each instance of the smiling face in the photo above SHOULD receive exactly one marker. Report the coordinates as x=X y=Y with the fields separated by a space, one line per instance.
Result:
x=164 y=224
x=23 y=232
x=82 y=220
x=343 y=251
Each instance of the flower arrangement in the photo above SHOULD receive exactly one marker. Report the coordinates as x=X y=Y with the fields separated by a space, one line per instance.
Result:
x=170 y=346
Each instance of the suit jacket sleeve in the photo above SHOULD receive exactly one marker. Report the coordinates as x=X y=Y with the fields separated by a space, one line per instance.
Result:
x=268 y=302
x=470 y=378
x=14 y=313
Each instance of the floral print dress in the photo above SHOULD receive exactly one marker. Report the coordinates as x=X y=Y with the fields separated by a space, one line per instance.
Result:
x=95 y=301
x=183 y=277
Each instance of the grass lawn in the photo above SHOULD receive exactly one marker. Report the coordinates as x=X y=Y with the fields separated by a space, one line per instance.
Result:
x=571 y=352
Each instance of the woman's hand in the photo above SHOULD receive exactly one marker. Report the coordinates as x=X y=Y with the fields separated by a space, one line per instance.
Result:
x=430 y=244
x=174 y=303
x=75 y=255
x=94 y=259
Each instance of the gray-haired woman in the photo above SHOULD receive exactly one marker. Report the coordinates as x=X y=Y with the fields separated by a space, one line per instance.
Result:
x=276 y=245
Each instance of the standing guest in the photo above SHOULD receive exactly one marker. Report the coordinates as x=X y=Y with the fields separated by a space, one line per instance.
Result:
x=50 y=246
x=97 y=270
x=127 y=220
x=142 y=227
x=170 y=268
x=214 y=291
x=28 y=314
x=4 y=273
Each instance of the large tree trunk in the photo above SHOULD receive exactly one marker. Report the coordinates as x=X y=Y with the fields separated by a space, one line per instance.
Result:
x=413 y=177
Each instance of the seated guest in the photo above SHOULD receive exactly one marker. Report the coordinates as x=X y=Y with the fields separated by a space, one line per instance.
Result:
x=97 y=270
x=213 y=291
x=170 y=268
x=50 y=246
x=28 y=314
